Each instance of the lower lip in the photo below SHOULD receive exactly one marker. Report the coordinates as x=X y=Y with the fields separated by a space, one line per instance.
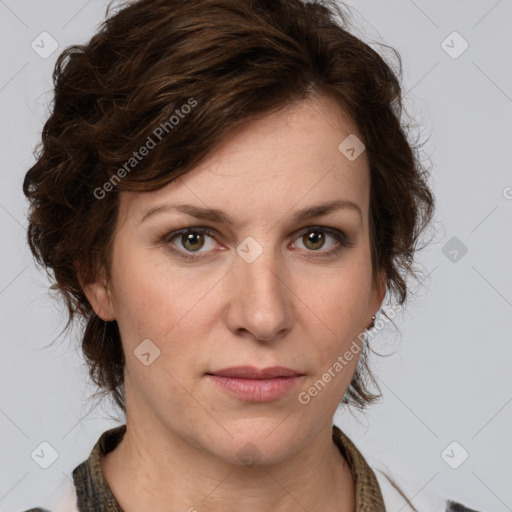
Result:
x=256 y=390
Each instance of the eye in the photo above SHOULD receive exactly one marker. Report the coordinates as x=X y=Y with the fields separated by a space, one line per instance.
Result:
x=186 y=242
x=191 y=240
x=314 y=239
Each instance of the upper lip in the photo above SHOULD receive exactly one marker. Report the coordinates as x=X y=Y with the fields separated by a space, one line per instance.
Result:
x=251 y=372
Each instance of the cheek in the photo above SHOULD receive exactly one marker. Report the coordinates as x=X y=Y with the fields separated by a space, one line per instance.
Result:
x=153 y=299
x=341 y=299
x=341 y=306
x=141 y=295
x=338 y=344
x=346 y=309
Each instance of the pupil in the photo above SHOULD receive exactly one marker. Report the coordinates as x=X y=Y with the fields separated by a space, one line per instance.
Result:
x=191 y=239
x=315 y=237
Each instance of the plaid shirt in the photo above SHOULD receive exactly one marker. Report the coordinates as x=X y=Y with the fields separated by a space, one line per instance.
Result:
x=91 y=492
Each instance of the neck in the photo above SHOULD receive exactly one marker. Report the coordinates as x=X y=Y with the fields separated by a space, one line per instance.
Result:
x=152 y=466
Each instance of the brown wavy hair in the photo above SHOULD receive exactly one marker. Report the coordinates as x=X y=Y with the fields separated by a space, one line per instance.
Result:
x=237 y=60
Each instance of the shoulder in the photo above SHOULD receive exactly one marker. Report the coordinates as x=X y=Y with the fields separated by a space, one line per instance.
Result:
x=404 y=496
x=395 y=498
x=64 y=500
x=396 y=492
x=86 y=479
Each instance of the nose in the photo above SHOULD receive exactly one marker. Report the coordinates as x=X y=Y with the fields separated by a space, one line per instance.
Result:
x=260 y=297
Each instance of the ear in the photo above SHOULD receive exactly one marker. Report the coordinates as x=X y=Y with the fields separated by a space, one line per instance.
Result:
x=98 y=293
x=377 y=297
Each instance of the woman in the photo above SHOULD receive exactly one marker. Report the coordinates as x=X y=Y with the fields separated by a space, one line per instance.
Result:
x=266 y=138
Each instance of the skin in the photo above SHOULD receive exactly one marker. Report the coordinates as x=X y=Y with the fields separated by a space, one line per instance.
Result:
x=292 y=306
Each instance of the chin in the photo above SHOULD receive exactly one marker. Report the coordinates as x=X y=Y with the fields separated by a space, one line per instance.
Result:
x=257 y=446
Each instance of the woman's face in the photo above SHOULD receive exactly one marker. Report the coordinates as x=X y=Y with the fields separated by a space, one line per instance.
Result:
x=270 y=289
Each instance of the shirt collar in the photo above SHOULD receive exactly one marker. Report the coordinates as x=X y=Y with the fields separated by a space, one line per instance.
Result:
x=94 y=494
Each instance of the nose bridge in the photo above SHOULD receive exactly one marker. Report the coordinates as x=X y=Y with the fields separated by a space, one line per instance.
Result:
x=262 y=294
x=258 y=263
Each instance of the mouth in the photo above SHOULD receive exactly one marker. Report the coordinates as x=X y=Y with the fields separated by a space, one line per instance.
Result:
x=251 y=372
x=251 y=384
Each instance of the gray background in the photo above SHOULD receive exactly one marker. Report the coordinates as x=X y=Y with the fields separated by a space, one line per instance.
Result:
x=450 y=377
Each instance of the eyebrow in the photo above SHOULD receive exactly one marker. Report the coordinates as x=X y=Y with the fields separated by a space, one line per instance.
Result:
x=215 y=215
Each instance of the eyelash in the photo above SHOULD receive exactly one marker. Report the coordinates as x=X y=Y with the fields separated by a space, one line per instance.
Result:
x=343 y=242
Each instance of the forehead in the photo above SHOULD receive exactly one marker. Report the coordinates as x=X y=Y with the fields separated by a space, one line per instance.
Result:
x=282 y=162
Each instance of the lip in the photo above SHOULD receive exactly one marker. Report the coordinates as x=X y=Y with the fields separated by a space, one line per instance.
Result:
x=251 y=372
x=256 y=385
